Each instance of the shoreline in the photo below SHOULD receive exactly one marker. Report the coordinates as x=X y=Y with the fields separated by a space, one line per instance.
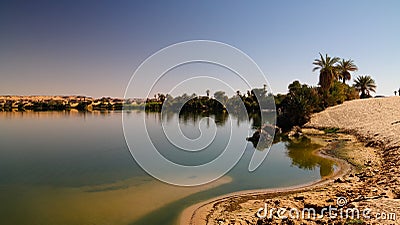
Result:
x=371 y=147
x=197 y=213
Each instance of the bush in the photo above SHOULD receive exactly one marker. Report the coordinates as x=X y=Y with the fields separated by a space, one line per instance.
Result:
x=296 y=107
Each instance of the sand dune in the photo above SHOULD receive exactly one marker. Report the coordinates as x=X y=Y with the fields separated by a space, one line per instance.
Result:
x=376 y=120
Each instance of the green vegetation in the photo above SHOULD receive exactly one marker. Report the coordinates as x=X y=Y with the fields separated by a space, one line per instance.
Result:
x=296 y=107
x=344 y=68
x=328 y=71
x=365 y=84
x=333 y=130
x=253 y=102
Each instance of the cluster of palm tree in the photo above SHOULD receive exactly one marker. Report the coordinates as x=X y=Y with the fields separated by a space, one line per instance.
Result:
x=334 y=68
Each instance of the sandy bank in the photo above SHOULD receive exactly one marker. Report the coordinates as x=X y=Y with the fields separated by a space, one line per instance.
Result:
x=375 y=120
x=372 y=148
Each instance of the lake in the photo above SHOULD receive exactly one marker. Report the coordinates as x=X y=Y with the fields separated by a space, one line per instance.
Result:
x=76 y=168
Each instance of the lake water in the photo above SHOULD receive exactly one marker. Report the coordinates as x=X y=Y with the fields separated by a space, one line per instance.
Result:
x=75 y=168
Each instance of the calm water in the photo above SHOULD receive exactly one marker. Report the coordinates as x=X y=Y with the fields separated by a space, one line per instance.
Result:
x=75 y=168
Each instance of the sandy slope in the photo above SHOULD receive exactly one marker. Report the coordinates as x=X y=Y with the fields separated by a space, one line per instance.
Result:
x=377 y=120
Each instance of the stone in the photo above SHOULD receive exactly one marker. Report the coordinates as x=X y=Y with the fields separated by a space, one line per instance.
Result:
x=339 y=180
x=299 y=198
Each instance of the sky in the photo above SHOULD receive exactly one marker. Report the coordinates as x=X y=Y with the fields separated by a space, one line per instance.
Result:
x=93 y=47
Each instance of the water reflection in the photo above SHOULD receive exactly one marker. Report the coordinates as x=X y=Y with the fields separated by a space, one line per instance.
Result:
x=75 y=168
x=302 y=153
x=220 y=118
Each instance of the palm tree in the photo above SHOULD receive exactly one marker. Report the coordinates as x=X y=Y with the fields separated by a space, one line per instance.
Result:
x=365 y=84
x=327 y=70
x=344 y=68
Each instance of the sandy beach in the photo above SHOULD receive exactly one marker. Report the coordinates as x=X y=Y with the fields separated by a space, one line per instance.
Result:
x=367 y=142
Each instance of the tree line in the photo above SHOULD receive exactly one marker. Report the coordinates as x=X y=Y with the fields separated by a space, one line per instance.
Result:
x=293 y=108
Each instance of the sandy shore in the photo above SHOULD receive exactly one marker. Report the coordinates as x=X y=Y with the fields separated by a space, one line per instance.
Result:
x=368 y=141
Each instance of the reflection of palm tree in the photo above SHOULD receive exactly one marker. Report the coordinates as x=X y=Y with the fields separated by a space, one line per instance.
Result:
x=365 y=84
x=301 y=152
x=344 y=68
x=327 y=70
x=220 y=118
x=208 y=93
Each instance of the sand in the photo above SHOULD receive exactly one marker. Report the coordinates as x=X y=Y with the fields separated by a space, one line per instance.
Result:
x=375 y=120
x=116 y=203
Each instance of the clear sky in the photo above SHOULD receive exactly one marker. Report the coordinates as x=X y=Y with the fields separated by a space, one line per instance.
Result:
x=93 y=47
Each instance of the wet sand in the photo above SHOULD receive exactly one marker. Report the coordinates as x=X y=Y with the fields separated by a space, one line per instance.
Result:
x=117 y=203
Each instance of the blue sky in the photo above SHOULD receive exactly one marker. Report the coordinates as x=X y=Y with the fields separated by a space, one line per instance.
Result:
x=93 y=47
